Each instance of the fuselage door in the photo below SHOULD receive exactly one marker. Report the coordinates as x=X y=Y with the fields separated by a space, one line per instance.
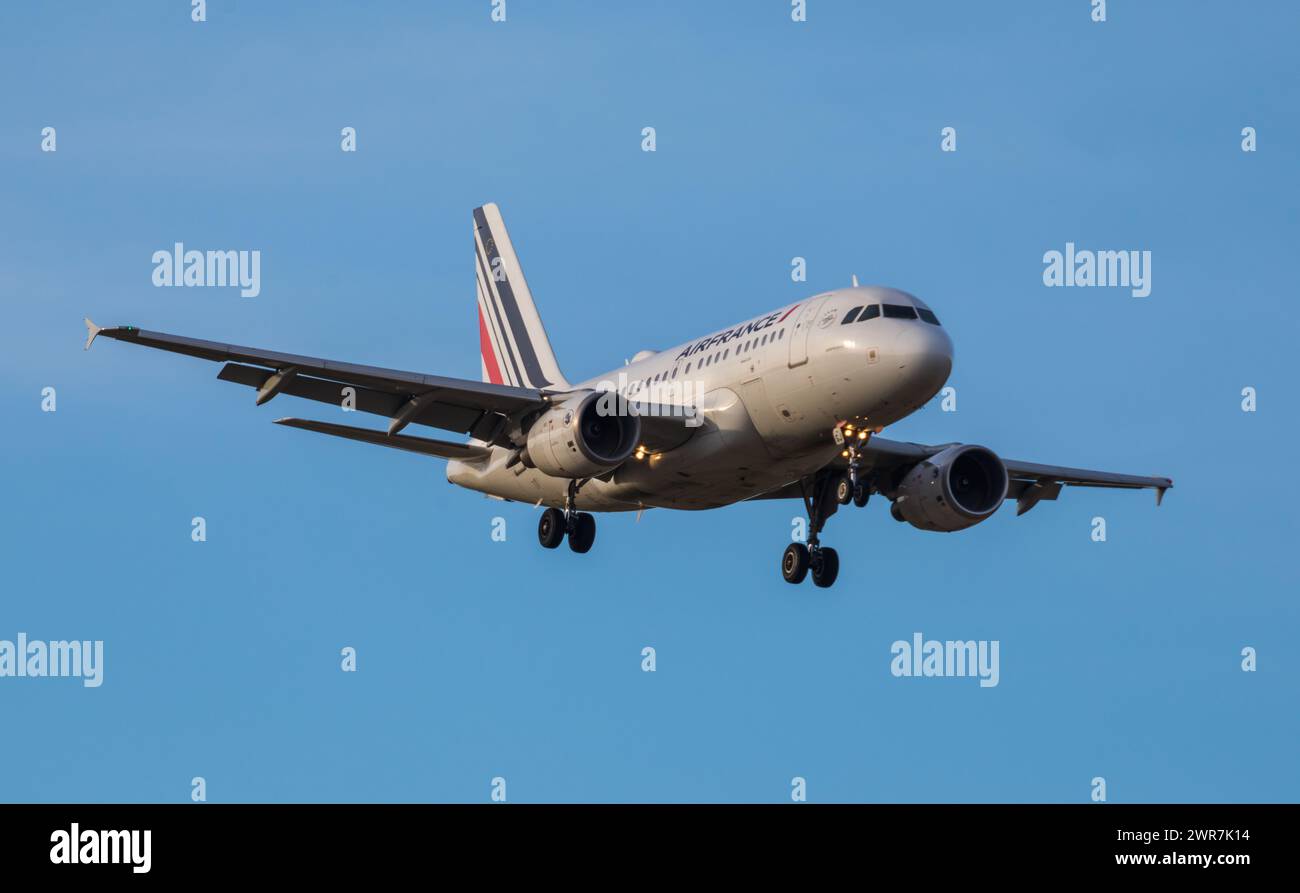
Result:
x=803 y=324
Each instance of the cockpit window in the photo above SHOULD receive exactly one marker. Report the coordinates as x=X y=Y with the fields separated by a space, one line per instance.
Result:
x=870 y=312
x=928 y=316
x=850 y=316
x=899 y=311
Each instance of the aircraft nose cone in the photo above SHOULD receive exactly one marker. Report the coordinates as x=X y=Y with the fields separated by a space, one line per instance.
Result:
x=923 y=356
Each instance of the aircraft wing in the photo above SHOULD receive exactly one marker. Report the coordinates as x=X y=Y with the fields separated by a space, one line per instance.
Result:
x=1029 y=482
x=480 y=409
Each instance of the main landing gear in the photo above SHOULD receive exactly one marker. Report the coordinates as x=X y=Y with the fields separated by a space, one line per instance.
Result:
x=824 y=562
x=579 y=527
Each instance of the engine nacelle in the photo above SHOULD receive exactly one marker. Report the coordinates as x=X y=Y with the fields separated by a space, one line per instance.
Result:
x=952 y=490
x=576 y=439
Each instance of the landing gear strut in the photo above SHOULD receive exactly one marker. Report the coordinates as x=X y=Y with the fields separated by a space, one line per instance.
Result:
x=852 y=486
x=822 y=561
x=579 y=527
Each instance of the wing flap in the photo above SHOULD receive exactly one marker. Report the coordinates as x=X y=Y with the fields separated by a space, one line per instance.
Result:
x=448 y=416
x=318 y=389
x=427 y=446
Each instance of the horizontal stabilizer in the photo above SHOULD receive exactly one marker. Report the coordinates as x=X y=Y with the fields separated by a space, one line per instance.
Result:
x=441 y=448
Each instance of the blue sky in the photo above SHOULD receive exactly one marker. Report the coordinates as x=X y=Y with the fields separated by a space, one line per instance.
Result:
x=479 y=659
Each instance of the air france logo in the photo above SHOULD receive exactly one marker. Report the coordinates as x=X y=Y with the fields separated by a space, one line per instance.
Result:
x=89 y=847
x=749 y=328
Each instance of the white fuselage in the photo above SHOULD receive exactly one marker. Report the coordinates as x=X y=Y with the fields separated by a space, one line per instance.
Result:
x=770 y=392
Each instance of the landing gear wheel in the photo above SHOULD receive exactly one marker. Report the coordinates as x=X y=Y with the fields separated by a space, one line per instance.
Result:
x=860 y=495
x=896 y=512
x=550 y=529
x=794 y=563
x=825 y=567
x=583 y=533
x=843 y=490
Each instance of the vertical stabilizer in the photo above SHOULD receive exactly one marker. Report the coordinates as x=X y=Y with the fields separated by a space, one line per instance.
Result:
x=512 y=341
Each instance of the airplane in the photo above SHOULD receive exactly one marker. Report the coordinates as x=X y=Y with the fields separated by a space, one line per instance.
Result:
x=786 y=405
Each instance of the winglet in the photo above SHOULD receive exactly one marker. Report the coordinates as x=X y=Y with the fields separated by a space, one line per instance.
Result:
x=91 y=331
x=1160 y=495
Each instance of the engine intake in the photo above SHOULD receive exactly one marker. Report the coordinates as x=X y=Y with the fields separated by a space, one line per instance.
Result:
x=579 y=438
x=952 y=490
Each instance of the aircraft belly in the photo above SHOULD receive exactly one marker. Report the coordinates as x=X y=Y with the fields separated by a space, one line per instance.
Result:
x=727 y=460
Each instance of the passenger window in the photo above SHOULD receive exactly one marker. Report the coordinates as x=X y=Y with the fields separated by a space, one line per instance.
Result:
x=850 y=316
x=899 y=311
x=869 y=313
x=928 y=316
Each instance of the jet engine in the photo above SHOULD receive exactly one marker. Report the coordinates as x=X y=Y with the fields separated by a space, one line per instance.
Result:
x=952 y=490
x=581 y=437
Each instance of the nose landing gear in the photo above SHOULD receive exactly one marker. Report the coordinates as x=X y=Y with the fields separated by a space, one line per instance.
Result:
x=579 y=527
x=822 y=561
x=852 y=485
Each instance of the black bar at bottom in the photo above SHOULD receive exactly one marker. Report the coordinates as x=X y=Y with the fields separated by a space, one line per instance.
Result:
x=213 y=841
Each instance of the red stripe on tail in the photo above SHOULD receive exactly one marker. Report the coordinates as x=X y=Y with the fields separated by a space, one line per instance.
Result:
x=485 y=348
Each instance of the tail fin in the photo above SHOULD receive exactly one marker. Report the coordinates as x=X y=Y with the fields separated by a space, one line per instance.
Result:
x=512 y=341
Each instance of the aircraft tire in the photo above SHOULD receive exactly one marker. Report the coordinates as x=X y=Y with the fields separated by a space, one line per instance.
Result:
x=794 y=563
x=550 y=528
x=826 y=568
x=583 y=534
